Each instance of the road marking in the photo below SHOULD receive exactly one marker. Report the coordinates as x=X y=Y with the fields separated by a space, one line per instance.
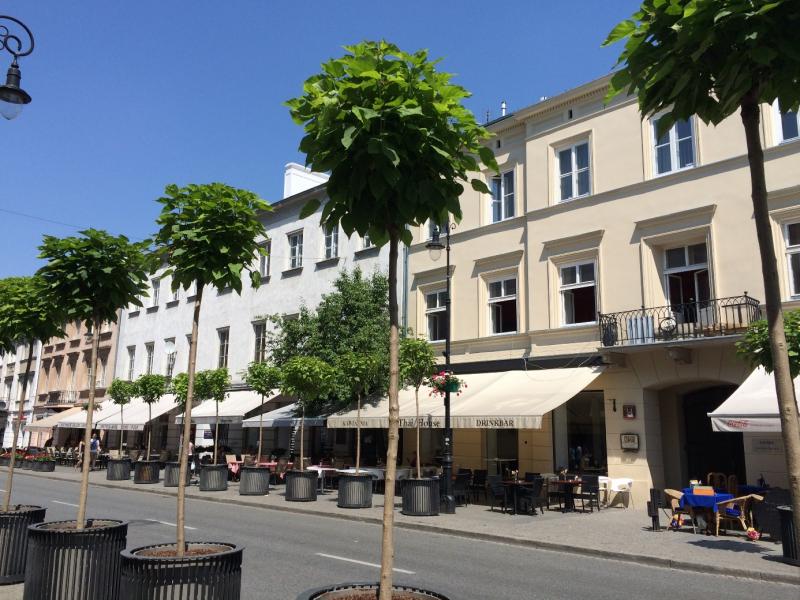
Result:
x=64 y=503
x=171 y=524
x=361 y=562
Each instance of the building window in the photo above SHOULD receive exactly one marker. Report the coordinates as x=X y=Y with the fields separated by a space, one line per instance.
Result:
x=436 y=315
x=366 y=242
x=790 y=125
x=155 y=285
x=674 y=150
x=173 y=297
x=792 y=236
x=172 y=355
x=224 y=335
x=687 y=282
x=150 y=350
x=573 y=171
x=264 y=259
x=260 y=330
x=131 y=362
x=101 y=381
x=331 y=241
x=578 y=293
x=503 y=197
x=296 y=250
x=503 y=306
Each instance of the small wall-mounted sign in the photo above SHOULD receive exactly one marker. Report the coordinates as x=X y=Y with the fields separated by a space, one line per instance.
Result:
x=629 y=442
x=628 y=411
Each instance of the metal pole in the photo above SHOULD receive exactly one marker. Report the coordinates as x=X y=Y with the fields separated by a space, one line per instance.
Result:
x=448 y=504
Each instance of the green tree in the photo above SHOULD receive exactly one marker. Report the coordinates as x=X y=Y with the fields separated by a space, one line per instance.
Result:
x=361 y=375
x=150 y=387
x=398 y=143
x=26 y=315
x=264 y=379
x=712 y=58
x=217 y=382
x=91 y=277
x=756 y=349
x=121 y=393
x=310 y=380
x=417 y=363
x=209 y=235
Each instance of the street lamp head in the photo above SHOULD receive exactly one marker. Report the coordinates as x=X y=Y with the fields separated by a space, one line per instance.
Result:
x=435 y=245
x=12 y=97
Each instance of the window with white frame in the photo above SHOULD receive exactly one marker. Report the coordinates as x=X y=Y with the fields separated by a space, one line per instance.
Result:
x=260 y=350
x=432 y=228
x=264 y=259
x=131 y=362
x=578 y=290
x=792 y=238
x=573 y=171
x=155 y=287
x=366 y=242
x=674 y=149
x=503 y=306
x=173 y=294
x=224 y=336
x=436 y=315
x=101 y=381
x=687 y=282
x=172 y=355
x=296 y=250
x=331 y=241
x=149 y=351
x=790 y=125
x=503 y=197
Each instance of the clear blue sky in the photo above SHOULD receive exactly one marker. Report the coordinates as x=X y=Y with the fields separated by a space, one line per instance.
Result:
x=131 y=96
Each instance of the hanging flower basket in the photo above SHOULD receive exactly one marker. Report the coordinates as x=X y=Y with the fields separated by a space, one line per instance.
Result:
x=444 y=381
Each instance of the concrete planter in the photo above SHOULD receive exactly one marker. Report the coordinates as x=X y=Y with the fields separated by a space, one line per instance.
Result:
x=214 y=478
x=355 y=491
x=118 y=469
x=216 y=576
x=14 y=541
x=44 y=466
x=67 y=564
x=172 y=474
x=420 y=497
x=344 y=590
x=254 y=481
x=25 y=464
x=4 y=460
x=146 y=471
x=301 y=486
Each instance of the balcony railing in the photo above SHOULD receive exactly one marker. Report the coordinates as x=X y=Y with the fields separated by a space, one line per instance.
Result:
x=62 y=397
x=677 y=322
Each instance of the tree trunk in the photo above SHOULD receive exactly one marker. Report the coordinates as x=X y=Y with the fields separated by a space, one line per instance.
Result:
x=216 y=429
x=20 y=415
x=302 y=438
x=358 y=434
x=187 y=428
x=260 y=430
x=121 y=427
x=419 y=462
x=149 y=429
x=387 y=543
x=87 y=432
x=784 y=387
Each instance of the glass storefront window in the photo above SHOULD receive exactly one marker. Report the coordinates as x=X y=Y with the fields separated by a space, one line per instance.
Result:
x=579 y=434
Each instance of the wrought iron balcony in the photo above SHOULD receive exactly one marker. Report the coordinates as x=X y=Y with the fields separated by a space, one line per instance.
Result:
x=62 y=397
x=678 y=322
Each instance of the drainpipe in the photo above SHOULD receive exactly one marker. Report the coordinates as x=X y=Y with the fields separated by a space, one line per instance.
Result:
x=404 y=316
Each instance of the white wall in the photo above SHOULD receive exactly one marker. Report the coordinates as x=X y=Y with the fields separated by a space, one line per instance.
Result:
x=11 y=370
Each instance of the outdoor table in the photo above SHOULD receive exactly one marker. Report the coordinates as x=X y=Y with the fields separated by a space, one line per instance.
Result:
x=700 y=503
x=322 y=472
x=234 y=466
x=568 y=487
x=744 y=490
x=513 y=485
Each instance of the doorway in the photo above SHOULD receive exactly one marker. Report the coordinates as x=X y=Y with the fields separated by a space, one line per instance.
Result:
x=502 y=451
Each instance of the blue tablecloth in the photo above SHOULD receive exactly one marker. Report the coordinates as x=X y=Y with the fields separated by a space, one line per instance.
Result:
x=751 y=489
x=697 y=501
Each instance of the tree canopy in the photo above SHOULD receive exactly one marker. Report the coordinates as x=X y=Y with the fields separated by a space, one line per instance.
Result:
x=263 y=377
x=151 y=387
x=122 y=391
x=27 y=313
x=417 y=361
x=755 y=347
x=310 y=380
x=214 y=384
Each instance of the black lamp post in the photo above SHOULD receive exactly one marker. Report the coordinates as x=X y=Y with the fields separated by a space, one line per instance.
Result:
x=13 y=97
x=435 y=247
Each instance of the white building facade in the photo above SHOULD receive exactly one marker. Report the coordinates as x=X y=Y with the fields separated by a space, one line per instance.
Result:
x=12 y=374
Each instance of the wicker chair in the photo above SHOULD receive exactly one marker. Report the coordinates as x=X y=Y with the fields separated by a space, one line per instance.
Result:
x=737 y=510
x=674 y=502
x=717 y=480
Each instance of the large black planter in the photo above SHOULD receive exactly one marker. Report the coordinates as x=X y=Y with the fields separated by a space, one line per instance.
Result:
x=791 y=549
x=4 y=460
x=146 y=471
x=67 y=564
x=172 y=472
x=118 y=469
x=421 y=497
x=254 y=481
x=355 y=491
x=208 y=577
x=14 y=541
x=26 y=464
x=301 y=486
x=343 y=590
x=214 y=478
x=45 y=466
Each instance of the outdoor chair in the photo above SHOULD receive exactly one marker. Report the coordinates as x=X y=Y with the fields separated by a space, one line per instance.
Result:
x=230 y=459
x=478 y=485
x=717 y=480
x=733 y=485
x=589 y=490
x=554 y=493
x=674 y=502
x=134 y=454
x=623 y=486
x=496 y=491
x=280 y=469
x=737 y=510
x=531 y=497
x=461 y=488
x=113 y=454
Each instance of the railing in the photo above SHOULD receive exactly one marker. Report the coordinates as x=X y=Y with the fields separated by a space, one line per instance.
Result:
x=691 y=320
x=62 y=397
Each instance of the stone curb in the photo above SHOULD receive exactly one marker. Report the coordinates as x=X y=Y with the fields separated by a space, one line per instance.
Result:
x=651 y=561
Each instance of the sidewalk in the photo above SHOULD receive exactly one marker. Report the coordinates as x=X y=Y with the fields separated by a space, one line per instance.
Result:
x=615 y=533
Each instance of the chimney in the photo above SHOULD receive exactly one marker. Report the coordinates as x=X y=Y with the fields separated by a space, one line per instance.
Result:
x=297 y=178
x=503 y=108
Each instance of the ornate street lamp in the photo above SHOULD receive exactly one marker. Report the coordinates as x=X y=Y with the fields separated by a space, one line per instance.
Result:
x=435 y=247
x=13 y=97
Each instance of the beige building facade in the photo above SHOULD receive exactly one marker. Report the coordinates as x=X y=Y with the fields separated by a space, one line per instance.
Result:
x=604 y=243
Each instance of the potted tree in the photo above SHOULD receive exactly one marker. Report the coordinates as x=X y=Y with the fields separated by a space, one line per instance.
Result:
x=417 y=362
x=208 y=236
x=150 y=388
x=179 y=386
x=264 y=379
x=310 y=380
x=25 y=316
x=91 y=277
x=121 y=393
x=360 y=374
x=214 y=477
x=393 y=117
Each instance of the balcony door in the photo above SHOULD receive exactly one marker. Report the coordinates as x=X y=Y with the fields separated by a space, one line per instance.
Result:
x=688 y=283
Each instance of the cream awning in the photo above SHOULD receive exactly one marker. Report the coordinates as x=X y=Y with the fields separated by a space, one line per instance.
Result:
x=233 y=409
x=135 y=415
x=507 y=400
x=53 y=420
x=752 y=407
x=283 y=417
x=103 y=410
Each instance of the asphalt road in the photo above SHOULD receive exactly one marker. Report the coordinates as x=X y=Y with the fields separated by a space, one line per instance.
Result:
x=287 y=553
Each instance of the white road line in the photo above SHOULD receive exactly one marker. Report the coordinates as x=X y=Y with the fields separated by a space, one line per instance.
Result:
x=64 y=503
x=361 y=562
x=171 y=524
